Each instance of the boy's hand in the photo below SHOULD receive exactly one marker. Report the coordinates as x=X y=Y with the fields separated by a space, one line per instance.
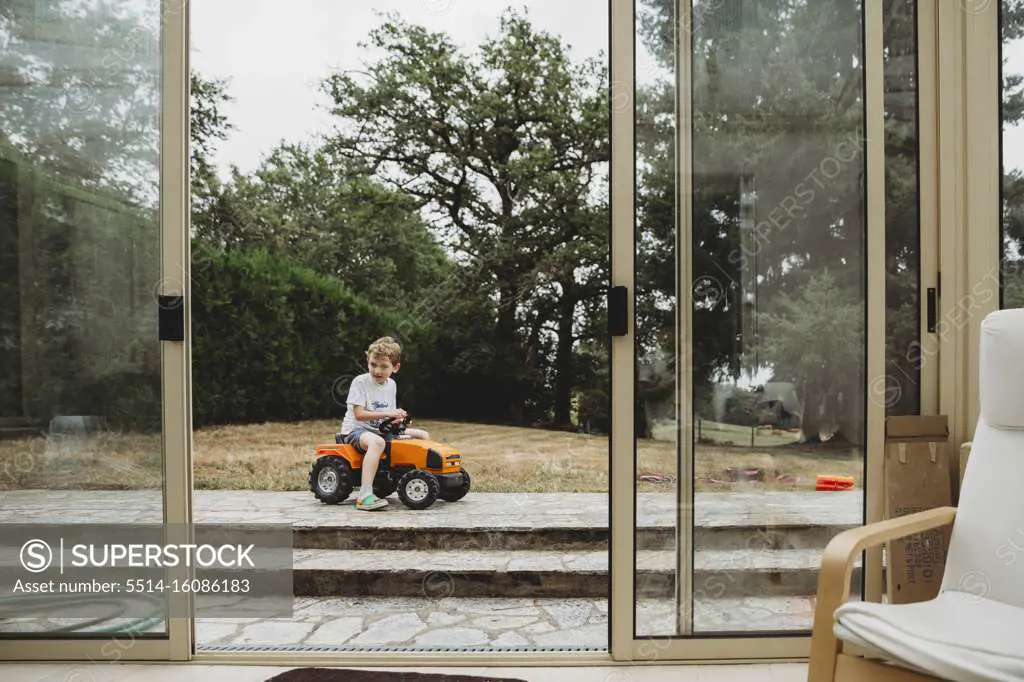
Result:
x=399 y=414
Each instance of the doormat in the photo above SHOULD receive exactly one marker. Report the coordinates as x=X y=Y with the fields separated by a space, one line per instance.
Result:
x=344 y=675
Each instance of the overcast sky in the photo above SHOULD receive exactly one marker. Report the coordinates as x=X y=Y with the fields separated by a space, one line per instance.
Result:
x=275 y=54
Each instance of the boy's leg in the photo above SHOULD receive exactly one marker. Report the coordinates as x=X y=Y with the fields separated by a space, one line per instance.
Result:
x=417 y=433
x=373 y=446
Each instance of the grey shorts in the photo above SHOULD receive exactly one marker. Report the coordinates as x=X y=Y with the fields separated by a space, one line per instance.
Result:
x=353 y=437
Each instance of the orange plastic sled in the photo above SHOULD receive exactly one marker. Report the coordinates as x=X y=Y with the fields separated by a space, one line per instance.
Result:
x=826 y=482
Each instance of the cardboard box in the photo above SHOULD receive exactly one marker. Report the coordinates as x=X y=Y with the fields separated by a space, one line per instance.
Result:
x=918 y=467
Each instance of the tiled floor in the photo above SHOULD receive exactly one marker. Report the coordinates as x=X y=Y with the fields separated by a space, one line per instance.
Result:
x=788 y=672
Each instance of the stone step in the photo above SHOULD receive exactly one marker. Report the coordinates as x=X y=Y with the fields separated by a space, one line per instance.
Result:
x=14 y=434
x=19 y=422
x=570 y=539
x=570 y=522
x=13 y=427
x=722 y=520
x=555 y=574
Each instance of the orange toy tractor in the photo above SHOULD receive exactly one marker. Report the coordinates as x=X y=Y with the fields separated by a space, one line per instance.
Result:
x=420 y=470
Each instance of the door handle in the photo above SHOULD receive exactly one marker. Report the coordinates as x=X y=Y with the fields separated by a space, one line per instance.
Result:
x=618 y=311
x=933 y=309
x=171 y=318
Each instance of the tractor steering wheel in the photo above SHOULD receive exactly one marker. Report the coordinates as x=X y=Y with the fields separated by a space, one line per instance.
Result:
x=395 y=427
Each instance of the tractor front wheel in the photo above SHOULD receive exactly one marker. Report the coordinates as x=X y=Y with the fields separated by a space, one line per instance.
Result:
x=457 y=493
x=418 y=489
x=330 y=479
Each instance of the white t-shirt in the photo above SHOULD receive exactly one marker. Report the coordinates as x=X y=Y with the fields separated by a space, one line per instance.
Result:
x=373 y=397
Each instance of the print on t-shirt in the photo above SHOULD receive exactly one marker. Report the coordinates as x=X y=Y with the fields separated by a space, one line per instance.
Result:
x=372 y=396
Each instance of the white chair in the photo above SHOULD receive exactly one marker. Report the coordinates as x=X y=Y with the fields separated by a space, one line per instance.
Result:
x=974 y=629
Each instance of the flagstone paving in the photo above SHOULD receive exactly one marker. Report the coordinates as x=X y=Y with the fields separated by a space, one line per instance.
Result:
x=493 y=623
x=417 y=623
x=509 y=522
x=477 y=511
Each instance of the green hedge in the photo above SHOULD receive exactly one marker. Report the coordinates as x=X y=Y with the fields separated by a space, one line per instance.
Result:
x=272 y=340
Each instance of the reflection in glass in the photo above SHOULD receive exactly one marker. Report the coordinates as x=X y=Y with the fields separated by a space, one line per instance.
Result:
x=904 y=355
x=778 y=230
x=776 y=285
x=657 y=296
x=1012 y=199
x=80 y=384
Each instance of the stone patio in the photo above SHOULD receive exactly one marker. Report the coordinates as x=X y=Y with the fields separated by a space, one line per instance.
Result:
x=507 y=511
x=485 y=623
x=518 y=571
x=459 y=623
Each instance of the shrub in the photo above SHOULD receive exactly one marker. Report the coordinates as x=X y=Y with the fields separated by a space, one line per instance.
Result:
x=272 y=340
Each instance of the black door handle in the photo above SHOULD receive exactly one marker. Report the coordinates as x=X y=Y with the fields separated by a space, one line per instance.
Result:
x=933 y=309
x=618 y=311
x=171 y=321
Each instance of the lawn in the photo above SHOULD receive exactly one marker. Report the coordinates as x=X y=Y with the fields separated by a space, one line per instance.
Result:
x=277 y=456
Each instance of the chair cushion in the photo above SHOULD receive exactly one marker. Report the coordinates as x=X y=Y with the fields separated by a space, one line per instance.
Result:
x=956 y=636
x=1000 y=371
x=986 y=550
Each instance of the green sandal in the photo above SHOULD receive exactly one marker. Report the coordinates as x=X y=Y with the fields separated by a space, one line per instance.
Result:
x=371 y=503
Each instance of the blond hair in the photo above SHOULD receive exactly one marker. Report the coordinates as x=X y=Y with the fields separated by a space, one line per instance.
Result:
x=387 y=347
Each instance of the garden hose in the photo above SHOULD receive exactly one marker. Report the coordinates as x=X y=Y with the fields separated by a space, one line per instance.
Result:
x=31 y=604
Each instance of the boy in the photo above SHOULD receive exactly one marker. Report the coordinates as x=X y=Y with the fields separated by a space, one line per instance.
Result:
x=373 y=400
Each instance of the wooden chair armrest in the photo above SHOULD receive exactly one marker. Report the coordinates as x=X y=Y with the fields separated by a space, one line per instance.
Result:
x=837 y=570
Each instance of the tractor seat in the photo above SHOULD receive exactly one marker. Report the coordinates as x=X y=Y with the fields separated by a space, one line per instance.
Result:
x=338 y=438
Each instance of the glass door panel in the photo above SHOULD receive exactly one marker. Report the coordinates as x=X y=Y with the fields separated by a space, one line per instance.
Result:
x=90 y=200
x=762 y=242
x=468 y=220
x=658 y=428
x=750 y=312
x=1011 y=48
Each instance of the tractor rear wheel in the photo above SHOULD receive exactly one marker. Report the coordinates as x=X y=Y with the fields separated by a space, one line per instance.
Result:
x=384 y=486
x=418 y=489
x=456 y=494
x=330 y=479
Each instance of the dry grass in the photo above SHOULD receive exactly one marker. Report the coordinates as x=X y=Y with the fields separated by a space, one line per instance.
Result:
x=277 y=456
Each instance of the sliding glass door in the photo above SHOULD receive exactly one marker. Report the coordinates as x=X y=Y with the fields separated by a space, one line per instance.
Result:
x=778 y=291
x=93 y=418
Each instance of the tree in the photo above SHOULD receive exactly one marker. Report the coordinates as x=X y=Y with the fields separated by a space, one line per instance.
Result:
x=313 y=207
x=777 y=133
x=506 y=149
x=773 y=94
x=85 y=100
x=207 y=124
x=79 y=138
x=85 y=92
x=817 y=335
